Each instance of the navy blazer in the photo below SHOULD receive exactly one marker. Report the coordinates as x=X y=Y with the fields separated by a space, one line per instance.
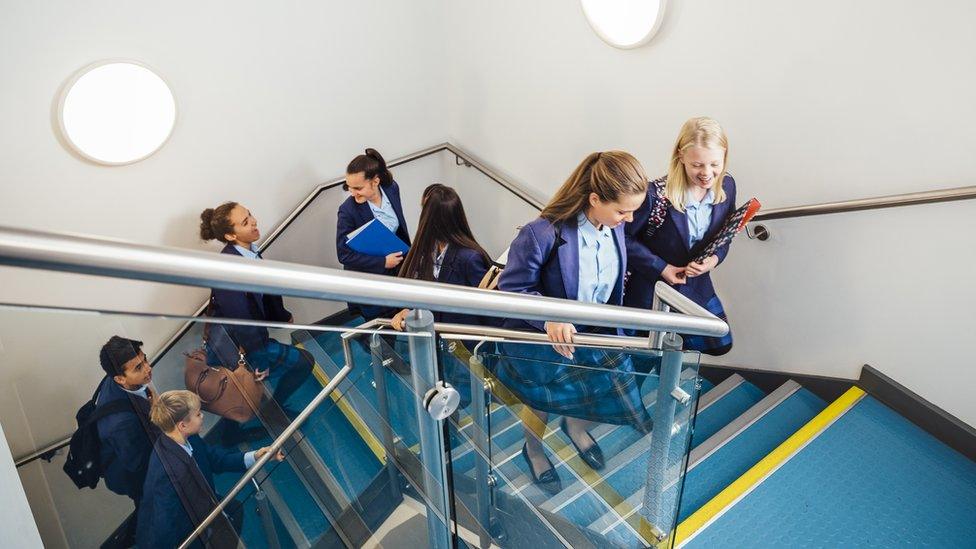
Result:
x=179 y=492
x=353 y=216
x=544 y=260
x=126 y=441
x=463 y=267
x=246 y=306
x=669 y=246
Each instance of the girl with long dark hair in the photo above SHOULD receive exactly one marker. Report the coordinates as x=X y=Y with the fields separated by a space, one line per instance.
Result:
x=445 y=250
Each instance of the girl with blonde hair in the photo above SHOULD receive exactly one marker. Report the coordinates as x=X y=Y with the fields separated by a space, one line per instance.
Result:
x=683 y=212
x=575 y=250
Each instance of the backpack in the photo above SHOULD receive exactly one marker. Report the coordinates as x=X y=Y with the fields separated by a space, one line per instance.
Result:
x=84 y=462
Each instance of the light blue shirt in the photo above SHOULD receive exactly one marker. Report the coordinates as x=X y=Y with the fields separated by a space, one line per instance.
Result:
x=699 y=214
x=384 y=212
x=599 y=262
x=249 y=458
x=251 y=252
x=141 y=391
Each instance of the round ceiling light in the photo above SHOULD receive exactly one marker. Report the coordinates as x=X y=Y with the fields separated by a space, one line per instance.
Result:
x=116 y=112
x=624 y=23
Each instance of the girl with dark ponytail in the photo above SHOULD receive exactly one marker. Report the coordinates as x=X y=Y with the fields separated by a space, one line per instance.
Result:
x=227 y=345
x=373 y=195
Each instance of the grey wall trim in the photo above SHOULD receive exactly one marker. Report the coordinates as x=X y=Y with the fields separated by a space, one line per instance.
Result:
x=949 y=429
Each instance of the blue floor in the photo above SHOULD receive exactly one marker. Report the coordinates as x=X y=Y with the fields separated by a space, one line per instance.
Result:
x=737 y=456
x=871 y=479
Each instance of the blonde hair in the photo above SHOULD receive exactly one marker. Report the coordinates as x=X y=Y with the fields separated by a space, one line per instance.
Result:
x=610 y=174
x=696 y=132
x=172 y=407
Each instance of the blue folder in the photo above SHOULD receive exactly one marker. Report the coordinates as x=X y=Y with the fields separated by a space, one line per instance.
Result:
x=374 y=238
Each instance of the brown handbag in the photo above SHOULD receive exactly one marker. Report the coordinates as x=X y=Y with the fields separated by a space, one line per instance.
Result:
x=233 y=394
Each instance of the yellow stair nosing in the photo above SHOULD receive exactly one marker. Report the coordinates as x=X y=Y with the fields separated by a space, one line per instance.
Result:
x=739 y=488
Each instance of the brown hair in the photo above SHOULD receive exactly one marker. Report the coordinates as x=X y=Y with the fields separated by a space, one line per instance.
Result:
x=372 y=165
x=609 y=174
x=215 y=222
x=172 y=407
x=442 y=220
x=696 y=132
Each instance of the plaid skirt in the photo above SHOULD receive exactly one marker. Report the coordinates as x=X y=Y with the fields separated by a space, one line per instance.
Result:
x=708 y=344
x=596 y=385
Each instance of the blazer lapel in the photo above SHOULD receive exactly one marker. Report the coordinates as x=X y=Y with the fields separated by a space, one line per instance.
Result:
x=681 y=223
x=719 y=213
x=258 y=298
x=447 y=266
x=568 y=253
x=619 y=237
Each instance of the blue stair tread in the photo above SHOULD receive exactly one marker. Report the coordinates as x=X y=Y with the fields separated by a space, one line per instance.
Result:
x=872 y=478
x=343 y=451
x=724 y=410
x=745 y=450
x=300 y=503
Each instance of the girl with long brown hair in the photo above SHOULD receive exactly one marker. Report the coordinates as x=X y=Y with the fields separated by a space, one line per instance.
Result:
x=575 y=250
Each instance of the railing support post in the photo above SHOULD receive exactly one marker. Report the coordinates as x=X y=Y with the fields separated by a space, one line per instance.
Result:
x=480 y=439
x=423 y=367
x=659 y=515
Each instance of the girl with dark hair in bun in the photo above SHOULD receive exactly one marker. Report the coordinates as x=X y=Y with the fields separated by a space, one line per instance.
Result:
x=227 y=345
x=373 y=194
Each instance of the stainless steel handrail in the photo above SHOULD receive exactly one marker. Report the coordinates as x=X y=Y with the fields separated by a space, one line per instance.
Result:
x=275 y=446
x=890 y=201
x=105 y=257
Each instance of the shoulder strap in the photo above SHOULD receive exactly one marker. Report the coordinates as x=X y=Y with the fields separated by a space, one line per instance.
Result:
x=659 y=209
x=114 y=407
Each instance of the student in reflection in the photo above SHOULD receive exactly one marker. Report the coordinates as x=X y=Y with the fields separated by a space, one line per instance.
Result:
x=230 y=345
x=179 y=491
x=683 y=212
x=373 y=194
x=575 y=250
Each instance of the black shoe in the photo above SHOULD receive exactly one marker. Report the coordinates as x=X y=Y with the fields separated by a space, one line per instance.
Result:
x=593 y=456
x=548 y=480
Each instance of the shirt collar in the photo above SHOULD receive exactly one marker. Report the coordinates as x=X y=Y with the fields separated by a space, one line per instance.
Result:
x=588 y=232
x=690 y=201
x=384 y=201
x=141 y=391
x=187 y=447
x=250 y=251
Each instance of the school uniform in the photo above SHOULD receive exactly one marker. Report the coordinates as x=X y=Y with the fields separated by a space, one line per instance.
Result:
x=462 y=267
x=352 y=216
x=179 y=493
x=545 y=259
x=126 y=439
x=289 y=365
x=680 y=239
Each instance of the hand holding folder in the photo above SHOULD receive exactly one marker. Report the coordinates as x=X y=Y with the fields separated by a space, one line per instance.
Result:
x=373 y=238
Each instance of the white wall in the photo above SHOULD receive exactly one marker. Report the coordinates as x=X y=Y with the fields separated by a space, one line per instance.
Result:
x=822 y=101
x=17 y=529
x=272 y=99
